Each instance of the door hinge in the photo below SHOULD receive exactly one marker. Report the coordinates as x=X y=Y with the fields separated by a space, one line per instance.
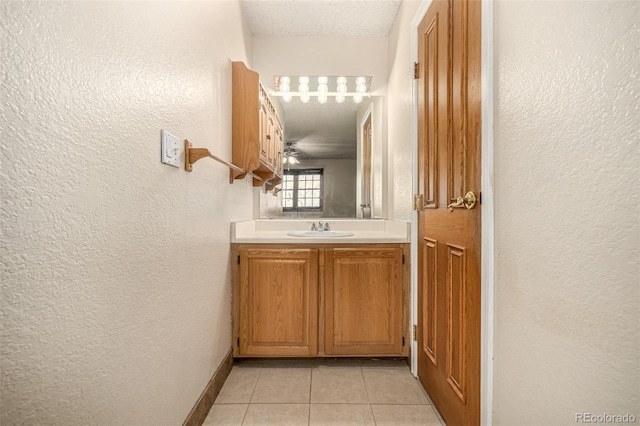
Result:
x=416 y=71
x=402 y=340
x=418 y=202
x=403 y=259
x=238 y=342
x=238 y=259
x=480 y=197
x=415 y=333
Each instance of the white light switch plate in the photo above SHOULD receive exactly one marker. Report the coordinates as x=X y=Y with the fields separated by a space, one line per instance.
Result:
x=170 y=149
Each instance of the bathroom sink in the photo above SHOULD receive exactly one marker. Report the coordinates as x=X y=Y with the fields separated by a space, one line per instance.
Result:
x=320 y=234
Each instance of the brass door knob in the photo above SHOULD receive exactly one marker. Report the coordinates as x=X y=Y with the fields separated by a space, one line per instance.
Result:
x=468 y=202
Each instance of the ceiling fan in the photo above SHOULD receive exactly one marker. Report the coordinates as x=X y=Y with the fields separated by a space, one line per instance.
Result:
x=290 y=155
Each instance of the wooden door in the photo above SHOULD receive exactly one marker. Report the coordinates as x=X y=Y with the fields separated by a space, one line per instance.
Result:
x=278 y=302
x=449 y=241
x=363 y=301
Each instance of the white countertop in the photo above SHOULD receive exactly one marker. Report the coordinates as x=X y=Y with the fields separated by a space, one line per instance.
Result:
x=364 y=231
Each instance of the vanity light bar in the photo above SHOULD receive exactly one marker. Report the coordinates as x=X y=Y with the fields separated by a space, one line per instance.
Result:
x=283 y=84
x=349 y=94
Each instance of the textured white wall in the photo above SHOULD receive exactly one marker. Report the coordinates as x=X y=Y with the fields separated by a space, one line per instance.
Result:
x=567 y=228
x=399 y=102
x=115 y=268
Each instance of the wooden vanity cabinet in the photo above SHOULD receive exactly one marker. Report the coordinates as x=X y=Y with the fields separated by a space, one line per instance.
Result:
x=305 y=300
x=277 y=302
x=363 y=301
x=257 y=142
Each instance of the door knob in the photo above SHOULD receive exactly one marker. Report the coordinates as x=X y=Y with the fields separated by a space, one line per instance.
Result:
x=468 y=202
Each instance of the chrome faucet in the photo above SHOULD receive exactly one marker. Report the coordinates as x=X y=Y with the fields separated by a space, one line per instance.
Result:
x=321 y=226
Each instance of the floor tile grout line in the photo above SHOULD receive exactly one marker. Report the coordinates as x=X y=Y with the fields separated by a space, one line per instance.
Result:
x=251 y=397
x=310 y=390
x=366 y=389
x=244 y=416
x=255 y=386
x=373 y=415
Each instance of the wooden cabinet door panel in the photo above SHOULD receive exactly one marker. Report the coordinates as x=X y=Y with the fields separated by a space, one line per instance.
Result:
x=271 y=141
x=278 y=302
x=279 y=146
x=264 y=133
x=363 y=291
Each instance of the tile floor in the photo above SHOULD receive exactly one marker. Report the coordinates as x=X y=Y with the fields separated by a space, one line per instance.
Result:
x=339 y=392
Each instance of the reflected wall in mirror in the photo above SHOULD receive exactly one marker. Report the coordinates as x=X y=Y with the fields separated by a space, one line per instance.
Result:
x=330 y=137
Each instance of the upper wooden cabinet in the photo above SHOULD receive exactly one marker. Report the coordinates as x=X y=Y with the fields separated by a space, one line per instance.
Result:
x=257 y=130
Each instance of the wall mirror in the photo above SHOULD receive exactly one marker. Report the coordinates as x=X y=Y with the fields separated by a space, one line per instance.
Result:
x=333 y=157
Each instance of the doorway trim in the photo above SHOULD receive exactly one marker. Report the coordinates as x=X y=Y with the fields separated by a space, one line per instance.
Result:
x=368 y=114
x=487 y=263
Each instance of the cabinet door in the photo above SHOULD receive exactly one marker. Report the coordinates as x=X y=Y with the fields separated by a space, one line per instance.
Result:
x=264 y=133
x=363 y=296
x=271 y=141
x=279 y=146
x=278 y=302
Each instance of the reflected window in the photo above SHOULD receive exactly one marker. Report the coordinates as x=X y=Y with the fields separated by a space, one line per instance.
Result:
x=302 y=190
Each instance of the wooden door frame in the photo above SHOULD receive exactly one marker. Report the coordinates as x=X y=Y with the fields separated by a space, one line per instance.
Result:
x=367 y=145
x=367 y=116
x=487 y=279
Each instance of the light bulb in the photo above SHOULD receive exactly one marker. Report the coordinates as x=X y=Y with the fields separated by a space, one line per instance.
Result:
x=284 y=87
x=342 y=88
x=303 y=84
x=340 y=99
x=341 y=80
x=305 y=98
x=285 y=80
x=361 y=80
x=322 y=84
x=287 y=98
x=357 y=99
x=322 y=99
x=361 y=88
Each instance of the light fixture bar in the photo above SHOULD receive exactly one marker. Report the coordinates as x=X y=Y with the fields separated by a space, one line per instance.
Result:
x=351 y=94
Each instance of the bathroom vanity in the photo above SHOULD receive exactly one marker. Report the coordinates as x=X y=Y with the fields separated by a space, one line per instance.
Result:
x=318 y=295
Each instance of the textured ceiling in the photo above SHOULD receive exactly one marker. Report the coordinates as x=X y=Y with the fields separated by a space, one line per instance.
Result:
x=321 y=17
